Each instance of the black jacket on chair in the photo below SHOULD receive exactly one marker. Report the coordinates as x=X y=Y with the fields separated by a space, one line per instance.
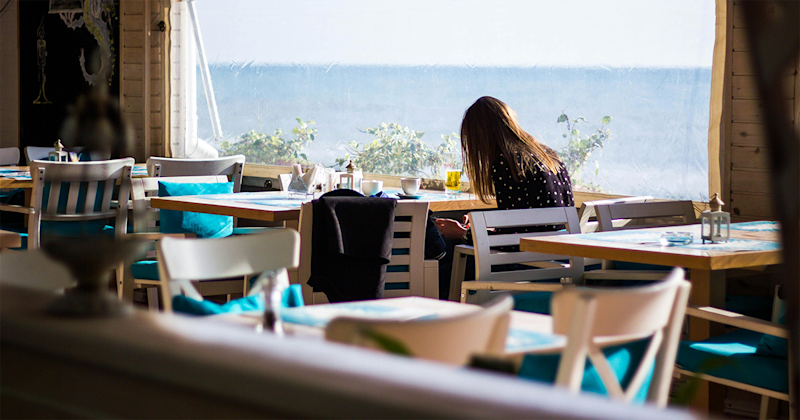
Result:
x=351 y=243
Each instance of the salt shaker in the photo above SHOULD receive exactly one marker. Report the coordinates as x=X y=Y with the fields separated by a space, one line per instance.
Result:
x=272 y=292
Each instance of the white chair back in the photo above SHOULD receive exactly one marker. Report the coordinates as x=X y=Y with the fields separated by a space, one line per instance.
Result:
x=182 y=261
x=37 y=153
x=486 y=227
x=642 y=215
x=407 y=274
x=229 y=165
x=592 y=318
x=448 y=339
x=97 y=181
x=587 y=211
x=9 y=156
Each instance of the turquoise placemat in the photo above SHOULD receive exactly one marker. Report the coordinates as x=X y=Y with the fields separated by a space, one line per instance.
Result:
x=320 y=315
x=653 y=238
x=256 y=198
x=519 y=340
x=15 y=174
x=139 y=170
x=756 y=226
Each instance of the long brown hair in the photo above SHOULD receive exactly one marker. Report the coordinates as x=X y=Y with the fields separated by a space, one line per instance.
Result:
x=490 y=129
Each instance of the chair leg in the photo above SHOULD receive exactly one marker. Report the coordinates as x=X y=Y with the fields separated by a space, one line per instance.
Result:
x=457 y=276
x=125 y=283
x=152 y=299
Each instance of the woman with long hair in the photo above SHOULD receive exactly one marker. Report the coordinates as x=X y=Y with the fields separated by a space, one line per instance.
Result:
x=505 y=162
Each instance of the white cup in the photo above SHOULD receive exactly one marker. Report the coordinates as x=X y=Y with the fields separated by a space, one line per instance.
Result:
x=371 y=187
x=410 y=185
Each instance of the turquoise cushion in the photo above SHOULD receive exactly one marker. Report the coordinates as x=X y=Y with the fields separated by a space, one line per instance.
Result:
x=624 y=359
x=733 y=356
x=772 y=346
x=292 y=297
x=145 y=270
x=536 y=302
x=203 y=225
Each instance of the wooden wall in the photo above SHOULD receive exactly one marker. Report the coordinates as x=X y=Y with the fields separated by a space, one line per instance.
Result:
x=748 y=190
x=9 y=75
x=144 y=88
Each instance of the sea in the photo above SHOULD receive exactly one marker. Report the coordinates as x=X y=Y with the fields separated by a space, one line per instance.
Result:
x=659 y=116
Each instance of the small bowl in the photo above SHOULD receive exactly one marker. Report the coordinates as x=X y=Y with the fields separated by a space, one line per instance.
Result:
x=371 y=187
x=676 y=238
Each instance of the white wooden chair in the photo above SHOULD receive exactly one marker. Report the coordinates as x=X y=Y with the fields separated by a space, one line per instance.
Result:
x=33 y=269
x=543 y=266
x=588 y=217
x=76 y=192
x=37 y=153
x=642 y=215
x=753 y=329
x=182 y=262
x=449 y=339
x=146 y=227
x=593 y=319
x=9 y=156
x=408 y=272
x=622 y=216
x=231 y=166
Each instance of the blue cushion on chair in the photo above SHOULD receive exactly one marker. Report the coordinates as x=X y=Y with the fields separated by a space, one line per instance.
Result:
x=624 y=360
x=203 y=225
x=292 y=297
x=536 y=302
x=145 y=270
x=733 y=356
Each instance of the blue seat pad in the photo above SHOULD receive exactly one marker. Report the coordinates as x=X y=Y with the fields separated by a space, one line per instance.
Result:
x=732 y=356
x=624 y=359
x=292 y=297
x=536 y=302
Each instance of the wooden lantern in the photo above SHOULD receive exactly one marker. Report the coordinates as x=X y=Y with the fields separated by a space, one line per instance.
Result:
x=715 y=224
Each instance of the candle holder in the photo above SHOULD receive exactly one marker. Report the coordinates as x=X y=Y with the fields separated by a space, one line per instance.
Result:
x=715 y=224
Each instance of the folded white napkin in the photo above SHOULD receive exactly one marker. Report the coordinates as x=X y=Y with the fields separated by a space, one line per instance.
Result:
x=309 y=178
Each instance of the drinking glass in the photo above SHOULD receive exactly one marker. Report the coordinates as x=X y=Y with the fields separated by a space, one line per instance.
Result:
x=452 y=174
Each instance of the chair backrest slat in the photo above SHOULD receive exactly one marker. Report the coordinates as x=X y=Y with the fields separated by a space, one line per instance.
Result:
x=79 y=181
x=232 y=166
x=646 y=214
x=9 y=156
x=587 y=211
x=487 y=233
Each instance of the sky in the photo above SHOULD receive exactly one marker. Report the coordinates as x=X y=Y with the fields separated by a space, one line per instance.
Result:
x=613 y=33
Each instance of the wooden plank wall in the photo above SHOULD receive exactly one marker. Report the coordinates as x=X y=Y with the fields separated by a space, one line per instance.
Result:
x=144 y=86
x=9 y=75
x=749 y=195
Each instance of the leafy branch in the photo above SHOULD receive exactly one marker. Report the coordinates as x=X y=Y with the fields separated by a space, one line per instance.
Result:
x=576 y=153
x=274 y=149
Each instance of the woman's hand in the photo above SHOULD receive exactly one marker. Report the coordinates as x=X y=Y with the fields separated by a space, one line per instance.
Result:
x=451 y=229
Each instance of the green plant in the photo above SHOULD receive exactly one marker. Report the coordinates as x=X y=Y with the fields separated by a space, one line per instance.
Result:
x=274 y=149
x=577 y=151
x=398 y=150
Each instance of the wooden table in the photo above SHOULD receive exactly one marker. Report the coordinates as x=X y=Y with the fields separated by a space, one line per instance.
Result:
x=412 y=307
x=707 y=267
x=248 y=210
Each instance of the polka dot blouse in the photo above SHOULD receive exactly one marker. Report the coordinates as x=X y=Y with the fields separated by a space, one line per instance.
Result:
x=536 y=188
